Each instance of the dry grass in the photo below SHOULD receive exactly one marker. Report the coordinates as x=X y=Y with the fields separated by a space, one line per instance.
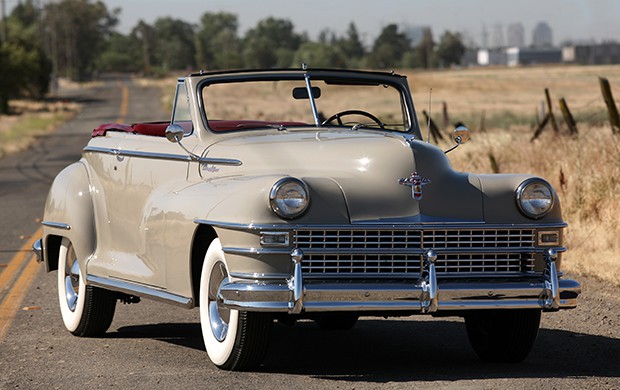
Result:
x=31 y=119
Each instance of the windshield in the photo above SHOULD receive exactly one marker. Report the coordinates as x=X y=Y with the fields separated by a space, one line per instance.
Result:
x=271 y=103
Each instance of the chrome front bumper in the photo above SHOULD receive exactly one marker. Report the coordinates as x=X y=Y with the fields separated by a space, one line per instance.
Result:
x=425 y=295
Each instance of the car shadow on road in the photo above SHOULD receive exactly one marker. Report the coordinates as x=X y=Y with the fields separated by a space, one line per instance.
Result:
x=380 y=351
x=186 y=334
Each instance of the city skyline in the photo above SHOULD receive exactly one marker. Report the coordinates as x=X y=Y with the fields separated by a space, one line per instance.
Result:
x=570 y=20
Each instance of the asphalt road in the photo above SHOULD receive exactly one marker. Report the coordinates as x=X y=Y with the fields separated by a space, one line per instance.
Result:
x=155 y=346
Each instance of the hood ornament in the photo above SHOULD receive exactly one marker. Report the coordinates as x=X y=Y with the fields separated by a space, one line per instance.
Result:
x=416 y=182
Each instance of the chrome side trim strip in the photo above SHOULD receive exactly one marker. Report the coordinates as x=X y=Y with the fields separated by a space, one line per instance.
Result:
x=255 y=251
x=256 y=276
x=56 y=225
x=162 y=156
x=368 y=226
x=139 y=290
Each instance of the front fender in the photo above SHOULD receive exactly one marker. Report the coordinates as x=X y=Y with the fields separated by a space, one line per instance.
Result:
x=241 y=200
x=500 y=205
x=69 y=213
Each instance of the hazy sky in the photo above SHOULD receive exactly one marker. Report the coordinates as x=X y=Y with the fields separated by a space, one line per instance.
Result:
x=569 y=19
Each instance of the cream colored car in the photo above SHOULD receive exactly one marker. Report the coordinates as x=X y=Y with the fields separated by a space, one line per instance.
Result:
x=300 y=194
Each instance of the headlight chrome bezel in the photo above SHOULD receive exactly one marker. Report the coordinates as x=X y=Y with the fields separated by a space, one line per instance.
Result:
x=524 y=198
x=276 y=200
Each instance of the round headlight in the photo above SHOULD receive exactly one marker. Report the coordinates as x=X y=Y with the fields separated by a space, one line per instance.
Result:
x=289 y=198
x=535 y=198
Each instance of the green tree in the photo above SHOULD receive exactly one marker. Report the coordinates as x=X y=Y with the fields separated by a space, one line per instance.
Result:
x=388 y=48
x=351 y=45
x=272 y=43
x=76 y=32
x=318 y=55
x=217 y=43
x=174 y=44
x=122 y=54
x=144 y=37
x=450 y=49
x=25 y=73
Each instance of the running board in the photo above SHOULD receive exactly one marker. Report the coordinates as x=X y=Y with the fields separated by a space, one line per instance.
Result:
x=139 y=290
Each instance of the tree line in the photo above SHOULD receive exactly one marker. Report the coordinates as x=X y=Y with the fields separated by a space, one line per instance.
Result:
x=77 y=39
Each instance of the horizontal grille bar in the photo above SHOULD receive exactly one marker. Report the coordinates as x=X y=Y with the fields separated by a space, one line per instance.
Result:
x=411 y=265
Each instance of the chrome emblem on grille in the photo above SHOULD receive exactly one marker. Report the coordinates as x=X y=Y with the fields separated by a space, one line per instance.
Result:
x=416 y=182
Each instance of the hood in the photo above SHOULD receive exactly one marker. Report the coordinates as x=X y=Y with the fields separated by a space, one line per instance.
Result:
x=366 y=166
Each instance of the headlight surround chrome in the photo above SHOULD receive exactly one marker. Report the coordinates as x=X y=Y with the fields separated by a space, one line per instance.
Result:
x=535 y=198
x=289 y=198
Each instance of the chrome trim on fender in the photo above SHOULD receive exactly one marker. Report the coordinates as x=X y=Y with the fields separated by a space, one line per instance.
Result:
x=255 y=251
x=257 y=276
x=37 y=248
x=139 y=290
x=162 y=156
x=56 y=225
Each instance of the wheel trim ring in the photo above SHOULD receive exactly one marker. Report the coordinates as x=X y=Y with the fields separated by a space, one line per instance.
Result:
x=72 y=280
x=219 y=316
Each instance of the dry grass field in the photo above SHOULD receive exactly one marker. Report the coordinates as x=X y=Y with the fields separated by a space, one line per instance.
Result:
x=585 y=170
x=31 y=119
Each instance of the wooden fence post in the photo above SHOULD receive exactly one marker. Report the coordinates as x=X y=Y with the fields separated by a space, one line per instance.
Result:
x=568 y=117
x=612 y=110
x=550 y=112
x=433 y=128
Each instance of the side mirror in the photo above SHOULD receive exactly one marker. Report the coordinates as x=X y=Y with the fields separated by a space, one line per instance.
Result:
x=460 y=135
x=174 y=133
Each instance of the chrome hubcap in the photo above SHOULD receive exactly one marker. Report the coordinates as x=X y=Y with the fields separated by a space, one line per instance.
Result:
x=219 y=316
x=72 y=279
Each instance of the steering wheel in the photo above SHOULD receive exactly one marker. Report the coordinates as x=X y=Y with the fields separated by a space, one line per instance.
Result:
x=338 y=117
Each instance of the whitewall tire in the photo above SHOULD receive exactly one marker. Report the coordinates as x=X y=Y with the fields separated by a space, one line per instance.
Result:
x=86 y=311
x=234 y=340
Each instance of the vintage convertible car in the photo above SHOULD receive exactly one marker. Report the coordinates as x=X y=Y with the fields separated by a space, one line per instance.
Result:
x=300 y=194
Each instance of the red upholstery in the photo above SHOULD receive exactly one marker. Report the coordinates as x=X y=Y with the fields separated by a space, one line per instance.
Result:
x=158 y=129
x=102 y=129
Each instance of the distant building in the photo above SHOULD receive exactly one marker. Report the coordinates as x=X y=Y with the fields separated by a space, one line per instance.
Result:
x=515 y=35
x=533 y=56
x=542 y=35
x=488 y=57
x=602 y=54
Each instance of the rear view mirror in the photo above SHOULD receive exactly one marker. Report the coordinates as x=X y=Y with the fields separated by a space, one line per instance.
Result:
x=302 y=93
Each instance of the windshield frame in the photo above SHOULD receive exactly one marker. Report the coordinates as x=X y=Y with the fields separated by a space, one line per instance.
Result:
x=345 y=77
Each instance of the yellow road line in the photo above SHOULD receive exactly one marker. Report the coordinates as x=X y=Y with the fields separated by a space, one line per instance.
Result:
x=124 y=104
x=14 y=298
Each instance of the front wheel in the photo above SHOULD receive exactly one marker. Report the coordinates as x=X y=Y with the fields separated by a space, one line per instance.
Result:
x=234 y=340
x=86 y=311
x=505 y=336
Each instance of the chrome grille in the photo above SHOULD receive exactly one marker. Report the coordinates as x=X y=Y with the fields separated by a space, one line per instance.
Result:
x=398 y=252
